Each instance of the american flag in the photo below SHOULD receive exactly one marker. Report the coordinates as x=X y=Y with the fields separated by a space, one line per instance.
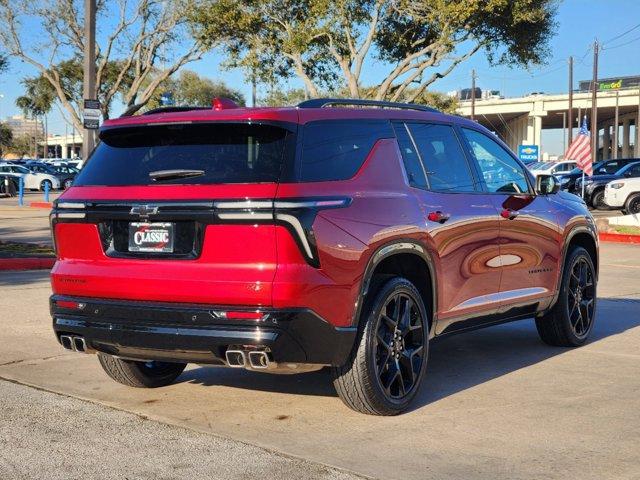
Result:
x=580 y=149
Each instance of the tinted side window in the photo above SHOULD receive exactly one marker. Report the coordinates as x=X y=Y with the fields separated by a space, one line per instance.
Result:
x=634 y=171
x=443 y=158
x=336 y=149
x=611 y=167
x=501 y=172
x=410 y=158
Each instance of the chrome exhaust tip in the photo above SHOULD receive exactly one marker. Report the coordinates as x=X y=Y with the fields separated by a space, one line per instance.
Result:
x=236 y=358
x=67 y=342
x=259 y=360
x=79 y=345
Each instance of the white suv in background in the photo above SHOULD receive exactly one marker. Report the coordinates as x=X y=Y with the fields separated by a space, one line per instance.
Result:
x=552 y=168
x=623 y=194
x=32 y=180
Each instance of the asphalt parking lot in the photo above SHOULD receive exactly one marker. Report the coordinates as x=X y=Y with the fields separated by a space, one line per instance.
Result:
x=497 y=404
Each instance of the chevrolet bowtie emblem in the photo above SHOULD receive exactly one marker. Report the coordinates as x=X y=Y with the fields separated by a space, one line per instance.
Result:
x=144 y=210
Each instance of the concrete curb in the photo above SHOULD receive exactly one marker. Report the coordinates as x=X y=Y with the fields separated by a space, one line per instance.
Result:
x=47 y=205
x=618 y=237
x=29 y=263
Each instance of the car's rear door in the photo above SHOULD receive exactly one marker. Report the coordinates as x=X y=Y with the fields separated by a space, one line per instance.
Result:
x=530 y=238
x=461 y=220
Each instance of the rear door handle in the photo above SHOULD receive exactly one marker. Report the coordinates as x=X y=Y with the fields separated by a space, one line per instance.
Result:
x=508 y=213
x=438 y=216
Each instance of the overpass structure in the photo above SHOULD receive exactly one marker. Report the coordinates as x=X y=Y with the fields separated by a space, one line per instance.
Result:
x=520 y=121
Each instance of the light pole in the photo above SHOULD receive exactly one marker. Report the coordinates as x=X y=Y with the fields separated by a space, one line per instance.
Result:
x=89 y=86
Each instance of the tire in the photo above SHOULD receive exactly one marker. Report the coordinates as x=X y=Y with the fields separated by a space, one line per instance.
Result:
x=361 y=381
x=67 y=183
x=140 y=374
x=597 y=201
x=568 y=323
x=632 y=205
x=44 y=182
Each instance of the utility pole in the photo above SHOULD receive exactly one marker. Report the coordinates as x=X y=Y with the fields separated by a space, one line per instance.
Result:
x=89 y=86
x=570 y=139
x=614 y=143
x=594 y=105
x=638 y=126
x=473 y=94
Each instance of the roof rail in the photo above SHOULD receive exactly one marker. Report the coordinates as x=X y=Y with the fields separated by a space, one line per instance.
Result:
x=133 y=109
x=329 y=102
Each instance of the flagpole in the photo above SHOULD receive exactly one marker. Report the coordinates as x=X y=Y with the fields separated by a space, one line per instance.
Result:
x=583 y=184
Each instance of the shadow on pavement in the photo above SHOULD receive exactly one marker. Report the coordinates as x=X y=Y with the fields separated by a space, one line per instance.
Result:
x=22 y=278
x=456 y=363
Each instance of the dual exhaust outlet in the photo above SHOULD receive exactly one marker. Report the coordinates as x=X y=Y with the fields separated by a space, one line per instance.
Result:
x=251 y=359
x=75 y=344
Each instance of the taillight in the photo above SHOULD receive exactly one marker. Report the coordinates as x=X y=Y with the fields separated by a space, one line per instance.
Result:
x=64 y=211
x=296 y=214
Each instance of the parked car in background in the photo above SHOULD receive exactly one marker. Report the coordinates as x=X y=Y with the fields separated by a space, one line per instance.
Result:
x=62 y=172
x=603 y=167
x=594 y=186
x=32 y=180
x=623 y=194
x=71 y=162
x=552 y=168
x=291 y=239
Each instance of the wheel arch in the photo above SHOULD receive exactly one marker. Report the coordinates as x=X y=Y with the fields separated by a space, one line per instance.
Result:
x=408 y=258
x=584 y=236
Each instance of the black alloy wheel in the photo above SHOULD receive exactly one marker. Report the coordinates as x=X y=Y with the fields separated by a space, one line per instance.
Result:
x=598 y=201
x=399 y=346
x=385 y=370
x=570 y=321
x=633 y=205
x=581 y=297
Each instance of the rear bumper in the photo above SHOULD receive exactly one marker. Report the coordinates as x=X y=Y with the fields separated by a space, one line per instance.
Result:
x=198 y=333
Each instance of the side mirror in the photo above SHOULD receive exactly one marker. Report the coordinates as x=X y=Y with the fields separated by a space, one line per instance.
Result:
x=628 y=173
x=547 y=185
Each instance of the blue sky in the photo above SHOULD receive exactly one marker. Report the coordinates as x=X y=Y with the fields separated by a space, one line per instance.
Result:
x=579 y=23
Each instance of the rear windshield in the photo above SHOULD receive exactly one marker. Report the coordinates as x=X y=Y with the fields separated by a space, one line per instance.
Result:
x=213 y=153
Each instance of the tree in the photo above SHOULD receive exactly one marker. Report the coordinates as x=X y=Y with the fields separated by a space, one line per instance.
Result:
x=141 y=35
x=280 y=98
x=4 y=63
x=411 y=43
x=6 y=138
x=21 y=145
x=193 y=90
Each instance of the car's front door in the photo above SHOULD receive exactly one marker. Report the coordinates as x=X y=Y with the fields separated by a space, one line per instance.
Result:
x=530 y=238
x=30 y=180
x=461 y=220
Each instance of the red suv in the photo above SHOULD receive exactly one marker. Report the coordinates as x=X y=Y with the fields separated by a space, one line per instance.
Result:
x=339 y=233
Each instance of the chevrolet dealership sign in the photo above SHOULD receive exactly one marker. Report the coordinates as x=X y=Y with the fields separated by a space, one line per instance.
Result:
x=528 y=153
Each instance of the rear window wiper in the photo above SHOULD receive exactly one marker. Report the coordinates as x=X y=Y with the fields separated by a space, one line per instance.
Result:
x=159 y=175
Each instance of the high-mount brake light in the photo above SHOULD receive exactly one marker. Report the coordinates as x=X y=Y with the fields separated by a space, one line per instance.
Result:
x=220 y=103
